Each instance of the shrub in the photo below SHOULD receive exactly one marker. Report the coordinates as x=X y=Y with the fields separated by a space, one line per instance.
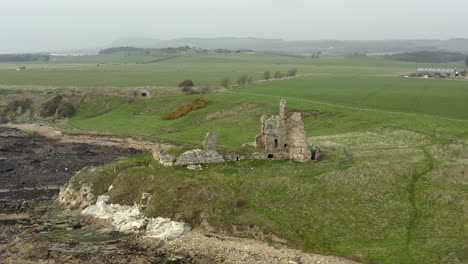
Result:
x=13 y=105
x=225 y=82
x=49 y=108
x=189 y=90
x=205 y=89
x=186 y=83
x=199 y=103
x=292 y=72
x=244 y=79
x=278 y=75
x=65 y=110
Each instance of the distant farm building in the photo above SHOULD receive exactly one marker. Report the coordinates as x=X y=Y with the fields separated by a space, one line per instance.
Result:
x=447 y=72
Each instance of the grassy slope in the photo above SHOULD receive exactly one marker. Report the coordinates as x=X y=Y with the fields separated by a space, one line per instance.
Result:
x=424 y=97
x=399 y=200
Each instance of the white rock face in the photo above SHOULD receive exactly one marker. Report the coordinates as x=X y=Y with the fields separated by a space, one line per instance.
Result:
x=165 y=229
x=130 y=219
x=76 y=198
x=195 y=167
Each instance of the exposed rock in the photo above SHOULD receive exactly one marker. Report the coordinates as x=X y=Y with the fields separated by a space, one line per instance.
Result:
x=75 y=198
x=126 y=219
x=195 y=167
x=130 y=219
x=19 y=110
x=165 y=229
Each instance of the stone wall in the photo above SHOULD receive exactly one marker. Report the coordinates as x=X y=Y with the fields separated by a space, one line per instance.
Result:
x=209 y=154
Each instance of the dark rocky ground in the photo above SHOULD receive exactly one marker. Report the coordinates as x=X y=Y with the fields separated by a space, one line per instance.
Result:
x=33 y=167
x=33 y=229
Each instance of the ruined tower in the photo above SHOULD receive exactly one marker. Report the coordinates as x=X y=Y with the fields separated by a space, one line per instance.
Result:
x=283 y=137
x=299 y=149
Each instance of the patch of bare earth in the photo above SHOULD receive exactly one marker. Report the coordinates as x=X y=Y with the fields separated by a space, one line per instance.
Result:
x=226 y=249
x=92 y=139
x=232 y=111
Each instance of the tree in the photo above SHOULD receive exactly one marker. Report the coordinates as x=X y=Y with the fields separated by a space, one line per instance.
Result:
x=186 y=83
x=466 y=61
x=278 y=75
x=244 y=79
x=225 y=82
x=292 y=72
x=267 y=75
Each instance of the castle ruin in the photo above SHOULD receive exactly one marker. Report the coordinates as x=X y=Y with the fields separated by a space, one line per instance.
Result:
x=283 y=137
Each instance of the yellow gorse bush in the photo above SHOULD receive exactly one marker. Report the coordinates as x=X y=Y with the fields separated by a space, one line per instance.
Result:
x=199 y=103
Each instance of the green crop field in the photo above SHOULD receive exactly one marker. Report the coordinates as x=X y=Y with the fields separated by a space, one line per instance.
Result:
x=203 y=69
x=347 y=103
x=398 y=196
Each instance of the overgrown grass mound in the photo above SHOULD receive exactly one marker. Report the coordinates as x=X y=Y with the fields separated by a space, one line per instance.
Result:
x=384 y=196
x=186 y=108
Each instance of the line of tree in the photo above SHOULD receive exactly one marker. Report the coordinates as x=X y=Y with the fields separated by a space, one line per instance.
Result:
x=24 y=57
x=428 y=56
x=278 y=74
x=244 y=79
x=133 y=50
x=232 y=51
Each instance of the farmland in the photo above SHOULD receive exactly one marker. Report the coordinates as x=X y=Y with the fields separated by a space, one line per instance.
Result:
x=390 y=190
x=207 y=69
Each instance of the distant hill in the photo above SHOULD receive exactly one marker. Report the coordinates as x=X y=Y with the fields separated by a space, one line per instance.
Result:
x=135 y=42
x=327 y=47
x=24 y=57
x=428 y=56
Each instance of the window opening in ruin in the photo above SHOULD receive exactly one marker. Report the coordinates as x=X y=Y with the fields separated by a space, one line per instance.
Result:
x=143 y=94
x=285 y=145
x=276 y=143
x=270 y=156
x=237 y=158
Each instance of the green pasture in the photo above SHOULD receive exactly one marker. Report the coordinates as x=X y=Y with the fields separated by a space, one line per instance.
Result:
x=397 y=197
x=344 y=103
x=204 y=69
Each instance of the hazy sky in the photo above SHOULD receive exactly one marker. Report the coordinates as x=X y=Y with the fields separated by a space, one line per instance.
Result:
x=55 y=24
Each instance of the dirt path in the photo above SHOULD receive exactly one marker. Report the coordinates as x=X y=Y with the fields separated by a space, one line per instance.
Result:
x=92 y=139
x=226 y=249
x=416 y=211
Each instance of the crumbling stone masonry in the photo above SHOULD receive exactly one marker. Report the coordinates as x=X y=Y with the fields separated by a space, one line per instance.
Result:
x=283 y=137
x=209 y=154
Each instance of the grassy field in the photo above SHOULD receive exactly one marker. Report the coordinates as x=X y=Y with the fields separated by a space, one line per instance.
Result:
x=398 y=198
x=347 y=104
x=203 y=69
